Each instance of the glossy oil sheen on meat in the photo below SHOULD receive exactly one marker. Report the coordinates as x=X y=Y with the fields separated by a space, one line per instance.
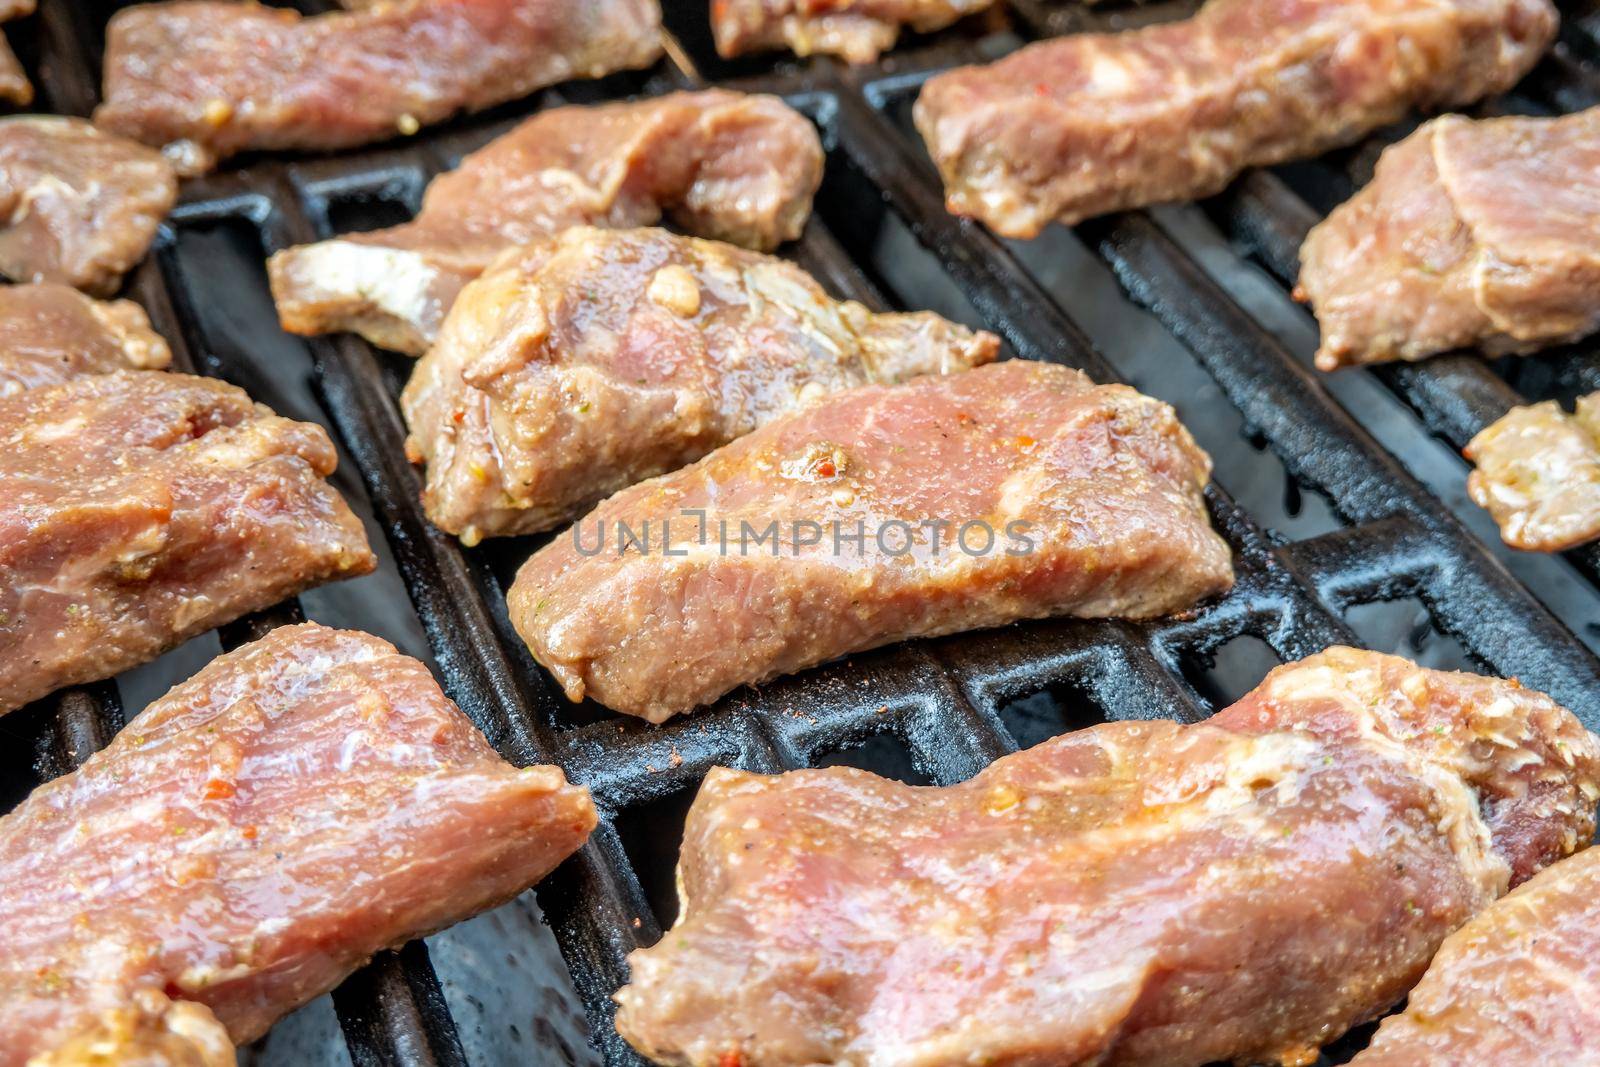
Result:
x=52 y=333
x=1149 y=893
x=1538 y=474
x=1471 y=235
x=206 y=79
x=252 y=837
x=1515 y=987
x=143 y=508
x=858 y=30
x=1093 y=123
x=583 y=364
x=721 y=164
x=1106 y=482
x=77 y=206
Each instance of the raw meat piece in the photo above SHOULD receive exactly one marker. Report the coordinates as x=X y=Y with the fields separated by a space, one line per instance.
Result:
x=1092 y=123
x=1105 y=484
x=143 y=508
x=52 y=333
x=205 y=79
x=721 y=164
x=583 y=364
x=254 y=836
x=1244 y=889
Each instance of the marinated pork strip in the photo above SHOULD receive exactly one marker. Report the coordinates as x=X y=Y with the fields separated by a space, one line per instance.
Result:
x=205 y=79
x=583 y=364
x=1538 y=474
x=1091 y=496
x=858 y=30
x=1471 y=234
x=1087 y=124
x=143 y=508
x=77 y=206
x=1515 y=987
x=1244 y=889
x=52 y=333
x=254 y=836
x=721 y=164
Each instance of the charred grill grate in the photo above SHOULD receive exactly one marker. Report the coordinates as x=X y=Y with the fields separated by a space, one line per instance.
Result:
x=1335 y=541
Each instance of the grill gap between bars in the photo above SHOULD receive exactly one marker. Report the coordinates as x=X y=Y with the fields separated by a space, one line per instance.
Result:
x=938 y=701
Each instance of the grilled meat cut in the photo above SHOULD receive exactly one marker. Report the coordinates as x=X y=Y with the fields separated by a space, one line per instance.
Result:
x=51 y=333
x=1512 y=988
x=77 y=206
x=143 y=508
x=1092 y=123
x=722 y=164
x=594 y=360
x=253 y=837
x=206 y=79
x=1471 y=234
x=1017 y=490
x=1538 y=474
x=1243 y=889
x=858 y=30
x=150 y=1030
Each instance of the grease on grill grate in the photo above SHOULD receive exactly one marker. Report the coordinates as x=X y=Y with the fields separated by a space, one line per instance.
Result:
x=1334 y=539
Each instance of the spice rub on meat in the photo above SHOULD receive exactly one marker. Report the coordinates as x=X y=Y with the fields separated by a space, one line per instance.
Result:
x=1088 y=124
x=1515 y=987
x=143 y=508
x=52 y=333
x=721 y=164
x=205 y=79
x=1075 y=498
x=585 y=363
x=252 y=838
x=1471 y=234
x=858 y=30
x=1243 y=889
x=1538 y=474
x=77 y=206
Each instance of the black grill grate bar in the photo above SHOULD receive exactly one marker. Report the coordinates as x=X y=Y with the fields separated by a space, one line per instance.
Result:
x=393 y=1012
x=1503 y=624
x=1456 y=395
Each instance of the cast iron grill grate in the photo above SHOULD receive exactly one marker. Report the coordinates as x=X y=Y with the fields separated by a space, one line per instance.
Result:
x=1334 y=539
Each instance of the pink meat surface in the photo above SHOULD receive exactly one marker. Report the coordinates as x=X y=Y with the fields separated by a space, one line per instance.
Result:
x=1107 y=481
x=1148 y=893
x=254 y=836
x=205 y=79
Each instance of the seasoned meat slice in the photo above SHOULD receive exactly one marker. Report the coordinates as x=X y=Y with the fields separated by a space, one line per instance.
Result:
x=1471 y=234
x=51 y=333
x=1538 y=474
x=77 y=206
x=1013 y=491
x=1515 y=987
x=253 y=837
x=150 y=1030
x=1092 y=123
x=721 y=164
x=585 y=363
x=144 y=508
x=1243 y=889
x=206 y=79
x=858 y=30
